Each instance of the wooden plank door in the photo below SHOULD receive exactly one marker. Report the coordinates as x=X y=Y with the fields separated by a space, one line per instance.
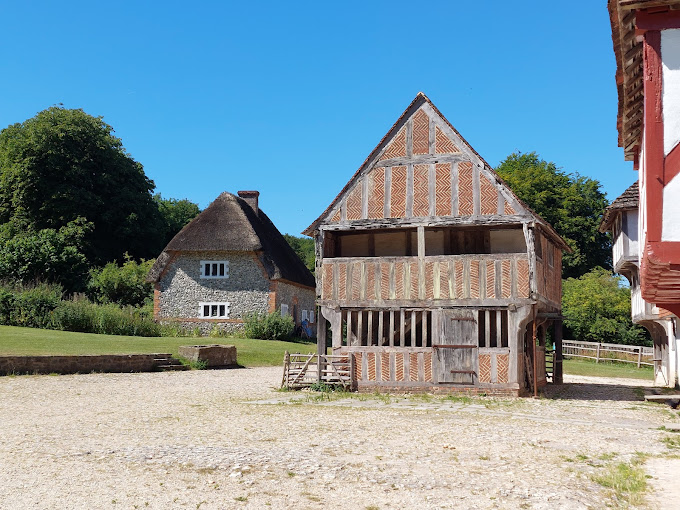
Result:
x=457 y=351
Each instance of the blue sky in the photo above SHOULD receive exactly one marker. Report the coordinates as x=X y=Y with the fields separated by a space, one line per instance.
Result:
x=290 y=97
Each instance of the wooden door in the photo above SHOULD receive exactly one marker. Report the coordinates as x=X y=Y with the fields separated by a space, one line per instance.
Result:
x=456 y=352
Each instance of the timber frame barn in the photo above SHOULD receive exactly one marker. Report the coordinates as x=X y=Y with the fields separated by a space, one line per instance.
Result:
x=432 y=274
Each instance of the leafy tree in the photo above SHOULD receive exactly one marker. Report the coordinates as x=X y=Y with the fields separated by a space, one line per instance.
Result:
x=63 y=164
x=175 y=214
x=47 y=255
x=124 y=285
x=571 y=203
x=597 y=309
x=304 y=247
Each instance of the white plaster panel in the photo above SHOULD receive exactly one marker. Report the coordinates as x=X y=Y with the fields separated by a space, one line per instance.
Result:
x=670 y=57
x=671 y=211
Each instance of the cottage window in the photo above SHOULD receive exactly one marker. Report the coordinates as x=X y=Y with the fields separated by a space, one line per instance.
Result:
x=311 y=316
x=213 y=310
x=214 y=269
x=284 y=310
x=304 y=315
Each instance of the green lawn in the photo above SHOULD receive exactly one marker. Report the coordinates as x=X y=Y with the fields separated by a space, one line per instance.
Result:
x=609 y=369
x=27 y=341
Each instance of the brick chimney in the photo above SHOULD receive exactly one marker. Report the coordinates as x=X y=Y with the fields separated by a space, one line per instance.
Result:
x=251 y=198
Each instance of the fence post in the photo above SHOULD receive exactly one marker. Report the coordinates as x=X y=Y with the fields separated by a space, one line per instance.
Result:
x=639 y=357
x=352 y=370
x=286 y=365
x=597 y=356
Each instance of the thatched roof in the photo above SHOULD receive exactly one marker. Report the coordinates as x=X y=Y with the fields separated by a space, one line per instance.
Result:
x=229 y=223
x=628 y=200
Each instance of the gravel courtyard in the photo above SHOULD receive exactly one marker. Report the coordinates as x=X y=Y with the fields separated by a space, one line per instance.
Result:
x=228 y=439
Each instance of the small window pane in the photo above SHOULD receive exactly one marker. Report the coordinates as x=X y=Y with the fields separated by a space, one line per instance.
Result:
x=206 y=310
x=213 y=310
x=311 y=316
x=222 y=312
x=214 y=269
x=206 y=269
x=222 y=269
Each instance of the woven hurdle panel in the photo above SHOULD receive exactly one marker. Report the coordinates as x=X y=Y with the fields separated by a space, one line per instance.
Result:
x=523 y=278
x=442 y=143
x=357 y=365
x=506 y=279
x=354 y=203
x=421 y=192
x=370 y=280
x=384 y=280
x=458 y=275
x=502 y=366
x=413 y=266
x=444 y=279
x=336 y=217
x=399 y=366
x=508 y=209
x=427 y=361
x=327 y=282
x=442 y=193
x=413 y=366
x=465 y=198
x=370 y=368
x=398 y=192
x=397 y=147
x=491 y=279
x=385 y=366
x=474 y=279
x=342 y=281
x=399 y=291
x=485 y=368
x=429 y=280
x=488 y=196
x=376 y=193
x=421 y=133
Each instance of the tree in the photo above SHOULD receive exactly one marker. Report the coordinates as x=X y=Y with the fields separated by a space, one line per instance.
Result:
x=48 y=255
x=571 y=203
x=304 y=247
x=597 y=309
x=175 y=214
x=63 y=164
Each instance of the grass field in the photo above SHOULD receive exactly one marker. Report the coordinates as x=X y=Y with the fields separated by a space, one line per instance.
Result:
x=27 y=341
x=609 y=369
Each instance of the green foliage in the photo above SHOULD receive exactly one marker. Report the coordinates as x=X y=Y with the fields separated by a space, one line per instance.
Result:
x=125 y=285
x=597 y=309
x=175 y=214
x=47 y=255
x=33 y=306
x=64 y=164
x=269 y=326
x=571 y=203
x=304 y=247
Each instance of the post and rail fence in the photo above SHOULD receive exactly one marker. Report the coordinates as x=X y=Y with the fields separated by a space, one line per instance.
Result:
x=640 y=355
x=304 y=370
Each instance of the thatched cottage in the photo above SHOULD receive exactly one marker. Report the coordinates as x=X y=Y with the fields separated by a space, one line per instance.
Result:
x=228 y=262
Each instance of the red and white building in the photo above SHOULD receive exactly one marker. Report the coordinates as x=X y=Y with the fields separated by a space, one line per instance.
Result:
x=646 y=37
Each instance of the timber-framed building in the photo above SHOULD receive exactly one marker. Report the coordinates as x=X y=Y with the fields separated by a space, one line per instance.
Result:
x=432 y=274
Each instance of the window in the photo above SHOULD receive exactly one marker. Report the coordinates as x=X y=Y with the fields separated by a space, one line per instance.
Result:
x=304 y=315
x=214 y=269
x=284 y=310
x=311 y=316
x=213 y=310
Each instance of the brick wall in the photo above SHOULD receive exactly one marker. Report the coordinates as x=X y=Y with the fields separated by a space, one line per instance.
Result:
x=78 y=364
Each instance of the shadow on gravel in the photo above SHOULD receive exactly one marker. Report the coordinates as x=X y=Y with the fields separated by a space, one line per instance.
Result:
x=595 y=391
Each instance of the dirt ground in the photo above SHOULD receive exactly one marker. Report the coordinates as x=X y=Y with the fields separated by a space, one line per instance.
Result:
x=229 y=439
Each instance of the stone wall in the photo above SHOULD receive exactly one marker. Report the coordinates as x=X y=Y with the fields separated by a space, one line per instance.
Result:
x=182 y=289
x=78 y=364
x=290 y=294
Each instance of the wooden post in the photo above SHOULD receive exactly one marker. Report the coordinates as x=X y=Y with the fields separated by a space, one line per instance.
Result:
x=369 y=331
x=352 y=371
x=557 y=364
x=639 y=357
x=286 y=365
x=597 y=356
x=413 y=328
x=533 y=341
x=391 y=328
x=320 y=343
x=360 y=327
x=381 y=325
x=402 y=328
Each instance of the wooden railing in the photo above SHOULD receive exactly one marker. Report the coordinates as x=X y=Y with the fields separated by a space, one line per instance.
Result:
x=304 y=370
x=608 y=352
x=364 y=279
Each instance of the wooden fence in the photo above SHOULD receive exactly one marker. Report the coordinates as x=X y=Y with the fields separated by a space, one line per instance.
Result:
x=608 y=352
x=303 y=370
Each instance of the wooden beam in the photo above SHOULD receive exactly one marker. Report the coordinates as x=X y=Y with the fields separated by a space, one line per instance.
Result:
x=402 y=328
x=391 y=328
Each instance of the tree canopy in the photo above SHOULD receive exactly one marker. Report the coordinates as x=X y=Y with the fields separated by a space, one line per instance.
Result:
x=175 y=214
x=304 y=247
x=597 y=309
x=571 y=203
x=64 y=164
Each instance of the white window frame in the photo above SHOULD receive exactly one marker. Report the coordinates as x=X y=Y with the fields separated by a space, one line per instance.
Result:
x=284 y=310
x=203 y=304
x=304 y=315
x=311 y=317
x=214 y=266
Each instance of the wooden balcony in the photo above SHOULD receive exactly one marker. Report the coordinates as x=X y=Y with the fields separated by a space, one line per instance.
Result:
x=398 y=281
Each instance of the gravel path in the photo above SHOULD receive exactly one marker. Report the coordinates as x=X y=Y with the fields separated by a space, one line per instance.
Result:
x=228 y=439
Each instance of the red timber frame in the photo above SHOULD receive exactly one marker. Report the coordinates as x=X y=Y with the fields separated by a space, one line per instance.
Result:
x=660 y=267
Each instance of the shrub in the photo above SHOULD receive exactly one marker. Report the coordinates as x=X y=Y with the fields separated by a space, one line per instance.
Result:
x=32 y=307
x=269 y=326
x=78 y=316
x=125 y=285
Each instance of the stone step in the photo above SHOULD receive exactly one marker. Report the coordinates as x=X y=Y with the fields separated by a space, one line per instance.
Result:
x=168 y=368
